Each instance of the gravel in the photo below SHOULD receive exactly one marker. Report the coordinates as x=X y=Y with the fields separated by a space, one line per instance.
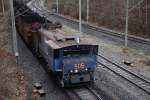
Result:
x=13 y=82
x=36 y=73
x=116 y=88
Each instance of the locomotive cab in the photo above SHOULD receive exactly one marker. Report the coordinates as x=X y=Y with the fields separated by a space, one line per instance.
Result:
x=79 y=63
x=75 y=64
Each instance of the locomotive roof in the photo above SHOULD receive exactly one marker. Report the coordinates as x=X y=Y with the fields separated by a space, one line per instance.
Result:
x=59 y=38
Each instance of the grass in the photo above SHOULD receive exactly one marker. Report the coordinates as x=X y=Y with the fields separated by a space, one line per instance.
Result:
x=138 y=52
x=68 y=29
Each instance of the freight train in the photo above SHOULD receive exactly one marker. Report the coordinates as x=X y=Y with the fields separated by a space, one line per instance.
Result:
x=72 y=61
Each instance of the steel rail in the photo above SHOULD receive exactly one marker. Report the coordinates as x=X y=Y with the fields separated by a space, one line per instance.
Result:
x=143 y=79
x=86 y=93
x=94 y=93
x=138 y=78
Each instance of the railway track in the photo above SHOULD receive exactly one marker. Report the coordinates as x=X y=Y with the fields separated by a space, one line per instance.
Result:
x=83 y=93
x=131 y=77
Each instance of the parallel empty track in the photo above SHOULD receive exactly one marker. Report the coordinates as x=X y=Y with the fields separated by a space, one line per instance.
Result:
x=131 y=77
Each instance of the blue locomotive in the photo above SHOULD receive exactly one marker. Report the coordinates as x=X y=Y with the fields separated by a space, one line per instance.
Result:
x=72 y=61
x=74 y=64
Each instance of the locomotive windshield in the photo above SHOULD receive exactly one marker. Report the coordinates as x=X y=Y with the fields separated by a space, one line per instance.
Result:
x=76 y=52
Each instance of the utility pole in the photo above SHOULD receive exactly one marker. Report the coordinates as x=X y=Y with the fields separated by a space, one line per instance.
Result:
x=3 y=7
x=15 y=44
x=113 y=9
x=87 y=17
x=127 y=22
x=80 y=17
x=146 y=13
x=139 y=11
x=57 y=3
x=45 y=3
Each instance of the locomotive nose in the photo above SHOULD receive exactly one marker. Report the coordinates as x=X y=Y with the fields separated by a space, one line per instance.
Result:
x=81 y=79
x=79 y=69
x=77 y=65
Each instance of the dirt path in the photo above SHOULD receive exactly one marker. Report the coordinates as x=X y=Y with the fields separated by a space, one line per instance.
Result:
x=12 y=79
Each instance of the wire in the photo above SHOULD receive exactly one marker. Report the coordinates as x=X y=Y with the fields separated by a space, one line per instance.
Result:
x=26 y=9
x=22 y=13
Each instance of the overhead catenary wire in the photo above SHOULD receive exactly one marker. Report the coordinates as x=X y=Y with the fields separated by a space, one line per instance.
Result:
x=19 y=10
x=136 y=5
x=25 y=10
x=22 y=13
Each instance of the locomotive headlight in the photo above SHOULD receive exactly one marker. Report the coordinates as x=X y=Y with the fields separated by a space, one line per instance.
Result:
x=71 y=71
x=76 y=71
x=86 y=69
